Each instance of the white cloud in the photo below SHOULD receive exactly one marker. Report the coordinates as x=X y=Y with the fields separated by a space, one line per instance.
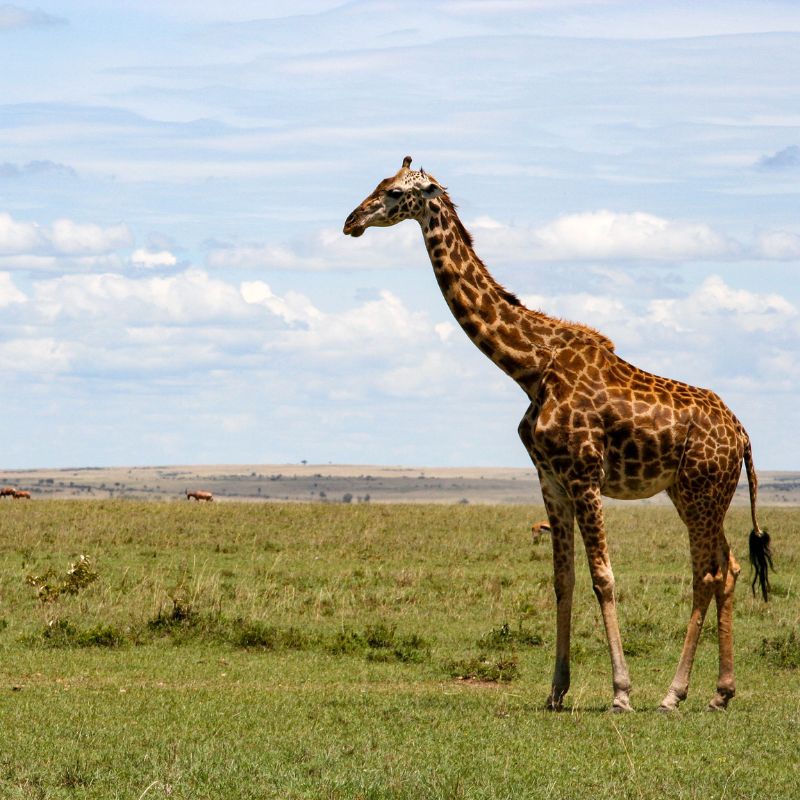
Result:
x=716 y=305
x=12 y=17
x=63 y=237
x=589 y=236
x=432 y=374
x=292 y=307
x=115 y=324
x=187 y=298
x=153 y=258
x=8 y=291
x=329 y=249
x=779 y=245
x=72 y=238
x=381 y=326
x=604 y=234
x=444 y=330
x=35 y=355
x=19 y=237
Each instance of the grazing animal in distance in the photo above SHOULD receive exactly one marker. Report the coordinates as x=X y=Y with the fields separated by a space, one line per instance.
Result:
x=537 y=529
x=596 y=425
x=7 y=491
x=199 y=496
x=21 y=494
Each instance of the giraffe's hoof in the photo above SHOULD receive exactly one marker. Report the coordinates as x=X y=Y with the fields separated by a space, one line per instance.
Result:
x=621 y=706
x=723 y=696
x=554 y=703
x=718 y=703
x=671 y=702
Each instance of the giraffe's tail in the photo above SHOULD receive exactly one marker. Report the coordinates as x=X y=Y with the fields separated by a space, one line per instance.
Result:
x=760 y=551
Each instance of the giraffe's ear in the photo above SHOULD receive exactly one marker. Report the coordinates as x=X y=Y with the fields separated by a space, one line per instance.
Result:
x=431 y=190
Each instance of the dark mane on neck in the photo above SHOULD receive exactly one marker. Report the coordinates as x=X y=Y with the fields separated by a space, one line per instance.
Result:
x=451 y=207
x=509 y=297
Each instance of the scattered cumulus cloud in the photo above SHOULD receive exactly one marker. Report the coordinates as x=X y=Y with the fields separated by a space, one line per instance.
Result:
x=191 y=297
x=72 y=238
x=9 y=293
x=779 y=246
x=62 y=237
x=604 y=234
x=101 y=319
x=588 y=236
x=786 y=159
x=150 y=259
x=31 y=355
x=13 y=17
x=328 y=249
x=36 y=169
x=714 y=299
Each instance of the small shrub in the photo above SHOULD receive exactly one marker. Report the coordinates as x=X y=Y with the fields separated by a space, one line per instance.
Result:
x=411 y=649
x=378 y=636
x=380 y=643
x=62 y=633
x=181 y=615
x=101 y=636
x=482 y=668
x=253 y=634
x=504 y=637
x=49 y=586
x=782 y=651
x=347 y=643
x=59 y=633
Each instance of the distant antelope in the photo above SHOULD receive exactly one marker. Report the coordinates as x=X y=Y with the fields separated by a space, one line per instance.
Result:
x=537 y=529
x=21 y=494
x=207 y=496
x=7 y=491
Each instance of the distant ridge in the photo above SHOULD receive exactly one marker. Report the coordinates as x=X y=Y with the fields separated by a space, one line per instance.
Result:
x=351 y=483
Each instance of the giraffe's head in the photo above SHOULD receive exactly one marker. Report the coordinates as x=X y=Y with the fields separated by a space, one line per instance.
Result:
x=403 y=196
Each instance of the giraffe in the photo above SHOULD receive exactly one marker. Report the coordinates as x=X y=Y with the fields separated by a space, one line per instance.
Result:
x=595 y=426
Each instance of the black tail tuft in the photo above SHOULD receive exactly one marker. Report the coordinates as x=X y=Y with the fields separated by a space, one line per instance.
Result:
x=761 y=560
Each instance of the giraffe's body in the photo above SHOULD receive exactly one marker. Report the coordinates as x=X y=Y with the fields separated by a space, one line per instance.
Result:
x=596 y=425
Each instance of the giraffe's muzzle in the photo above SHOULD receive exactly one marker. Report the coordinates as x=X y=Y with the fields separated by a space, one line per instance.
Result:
x=351 y=228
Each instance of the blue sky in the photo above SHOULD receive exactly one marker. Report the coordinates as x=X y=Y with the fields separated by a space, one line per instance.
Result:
x=175 y=288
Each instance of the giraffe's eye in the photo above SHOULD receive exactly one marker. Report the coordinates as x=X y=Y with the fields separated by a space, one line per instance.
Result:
x=395 y=193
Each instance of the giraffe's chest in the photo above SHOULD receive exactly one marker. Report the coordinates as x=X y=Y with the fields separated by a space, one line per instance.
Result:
x=634 y=454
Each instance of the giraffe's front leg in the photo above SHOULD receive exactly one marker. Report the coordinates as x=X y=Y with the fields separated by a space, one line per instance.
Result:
x=589 y=512
x=561 y=515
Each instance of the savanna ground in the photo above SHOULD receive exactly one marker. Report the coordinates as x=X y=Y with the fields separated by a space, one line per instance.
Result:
x=242 y=650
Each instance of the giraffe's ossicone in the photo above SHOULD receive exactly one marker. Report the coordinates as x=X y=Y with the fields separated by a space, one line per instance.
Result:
x=595 y=426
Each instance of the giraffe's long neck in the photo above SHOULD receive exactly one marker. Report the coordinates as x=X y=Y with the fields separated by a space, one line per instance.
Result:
x=512 y=336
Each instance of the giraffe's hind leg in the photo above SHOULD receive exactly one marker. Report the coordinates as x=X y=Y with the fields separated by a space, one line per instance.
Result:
x=714 y=573
x=726 y=684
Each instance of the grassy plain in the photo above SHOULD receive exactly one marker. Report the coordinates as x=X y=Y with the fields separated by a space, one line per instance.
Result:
x=241 y=650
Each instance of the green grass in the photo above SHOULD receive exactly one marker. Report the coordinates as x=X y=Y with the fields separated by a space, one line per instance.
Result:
x=331 y=651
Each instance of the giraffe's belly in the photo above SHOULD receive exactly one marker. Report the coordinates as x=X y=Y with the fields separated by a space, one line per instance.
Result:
x=622 y=488
x=636 y=478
